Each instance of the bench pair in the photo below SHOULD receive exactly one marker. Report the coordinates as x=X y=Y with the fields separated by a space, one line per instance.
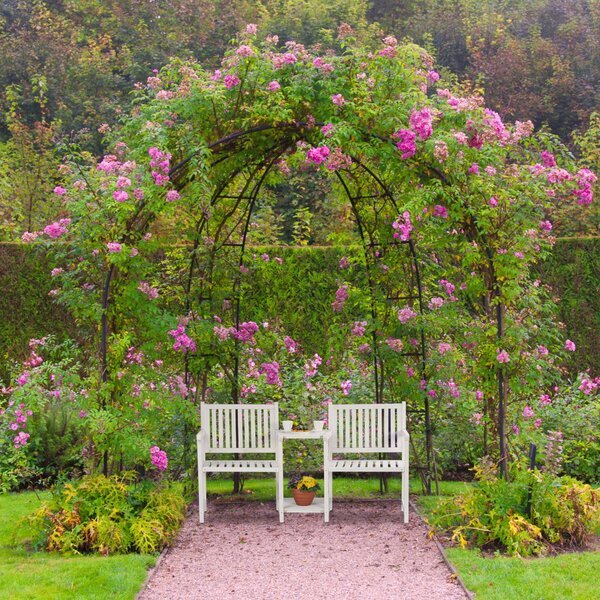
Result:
x=253 y=429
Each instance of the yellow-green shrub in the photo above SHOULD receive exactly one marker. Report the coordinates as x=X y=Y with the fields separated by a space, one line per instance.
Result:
x=110 y=515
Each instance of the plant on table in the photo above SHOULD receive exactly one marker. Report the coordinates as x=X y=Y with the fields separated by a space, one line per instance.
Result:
x=304 y=489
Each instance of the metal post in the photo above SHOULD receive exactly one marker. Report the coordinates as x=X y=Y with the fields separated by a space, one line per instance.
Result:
x=501 y=400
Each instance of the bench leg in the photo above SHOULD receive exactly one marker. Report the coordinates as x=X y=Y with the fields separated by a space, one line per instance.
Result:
x=201 y=494
x=280 y=494
x=405 y=491
x=327 y=496
x=330 y=484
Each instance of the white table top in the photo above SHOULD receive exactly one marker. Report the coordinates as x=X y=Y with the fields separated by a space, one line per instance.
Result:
x=312 y=434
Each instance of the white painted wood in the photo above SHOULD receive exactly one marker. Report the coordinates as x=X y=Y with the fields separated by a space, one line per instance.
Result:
x=367 y=429
x=285 y=503
x=318 y=506
x=238 y=429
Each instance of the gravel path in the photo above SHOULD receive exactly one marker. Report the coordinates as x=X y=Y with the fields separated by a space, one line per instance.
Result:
x=364 y=553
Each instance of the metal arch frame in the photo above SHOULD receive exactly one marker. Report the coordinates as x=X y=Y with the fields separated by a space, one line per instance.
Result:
x=254 y=183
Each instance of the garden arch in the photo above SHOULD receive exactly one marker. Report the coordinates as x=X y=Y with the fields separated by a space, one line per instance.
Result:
x=373 y=204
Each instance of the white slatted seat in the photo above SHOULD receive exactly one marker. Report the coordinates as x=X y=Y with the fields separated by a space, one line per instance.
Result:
x=256 y=466
x=366 y=465
x=236 y=429
x=368 y=429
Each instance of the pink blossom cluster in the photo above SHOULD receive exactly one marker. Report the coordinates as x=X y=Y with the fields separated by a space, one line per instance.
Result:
x=246 y=390
x=495 y=128
x=159 y=163
x=394 y=344
x=441 y=151
x=341 y=295
x=448 y=287
x=440 y=211
x=435 y=303
x=588 y=385
x=570 y=346
x=403 y=227
x=147 y=289
x=327 y=130
x=280 y=60
x=114 y=247
x=528 y=412
x=359 y=328
x=421 y=122
x=223 y=333
x=585 y=180
x=21 y=439
x=444 y=347
x=271 y=372
x=231 y=81
x=318 y=155
x=346 y=386
x=476 y=418
x=56 y=229
x=290 y=345
x=134 y=356
x=406 y=142
x=245 y=332
x=503 y=357
x=245 y=51
x=159 y=458
x=338 y=99
x=320 y=64
x=406 y=314
x=338 y=160
x=460 y=104
x=344 y=262
x=183 y=341
x=312 y=366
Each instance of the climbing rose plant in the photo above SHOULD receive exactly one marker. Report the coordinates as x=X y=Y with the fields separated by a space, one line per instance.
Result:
x=473 y=194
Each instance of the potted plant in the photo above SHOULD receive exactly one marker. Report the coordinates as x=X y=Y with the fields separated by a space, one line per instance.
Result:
x=303 y=489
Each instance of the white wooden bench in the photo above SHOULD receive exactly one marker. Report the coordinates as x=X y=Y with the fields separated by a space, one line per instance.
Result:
x=368 y=429
x=238 y=429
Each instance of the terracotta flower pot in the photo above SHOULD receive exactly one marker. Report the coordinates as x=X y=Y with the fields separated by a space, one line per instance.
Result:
x=303 y=497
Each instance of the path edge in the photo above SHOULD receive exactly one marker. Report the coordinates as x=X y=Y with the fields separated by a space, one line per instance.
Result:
x=152 y=570
x=442 y=551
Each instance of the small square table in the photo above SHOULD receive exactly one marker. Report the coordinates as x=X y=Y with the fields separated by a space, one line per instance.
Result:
x=319 y=505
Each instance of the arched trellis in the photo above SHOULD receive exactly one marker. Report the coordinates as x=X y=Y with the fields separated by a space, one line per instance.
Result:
x=240 y=186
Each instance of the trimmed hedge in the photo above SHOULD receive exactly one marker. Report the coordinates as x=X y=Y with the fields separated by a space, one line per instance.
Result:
x=573 y=271
x=27 y=311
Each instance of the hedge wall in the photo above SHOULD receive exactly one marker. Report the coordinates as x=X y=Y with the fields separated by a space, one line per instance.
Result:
x=27 y=311
x=573 y=271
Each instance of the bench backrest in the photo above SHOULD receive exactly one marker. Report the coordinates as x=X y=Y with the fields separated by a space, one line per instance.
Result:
x=250 y=428
x=367 y=427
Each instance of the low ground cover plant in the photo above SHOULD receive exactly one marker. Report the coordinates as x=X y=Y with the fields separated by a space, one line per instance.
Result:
x=110 y=515
x=526 y=515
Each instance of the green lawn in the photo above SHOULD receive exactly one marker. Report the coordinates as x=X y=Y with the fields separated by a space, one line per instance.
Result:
x=31 y=575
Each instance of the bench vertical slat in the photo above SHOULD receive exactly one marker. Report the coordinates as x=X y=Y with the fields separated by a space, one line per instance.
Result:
x=227 y=433
x=266 y=429
x=259 y=427
x=386 y=427
x=246 y=437
x=360 y=427
x=213 y=428
x=220 y=428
